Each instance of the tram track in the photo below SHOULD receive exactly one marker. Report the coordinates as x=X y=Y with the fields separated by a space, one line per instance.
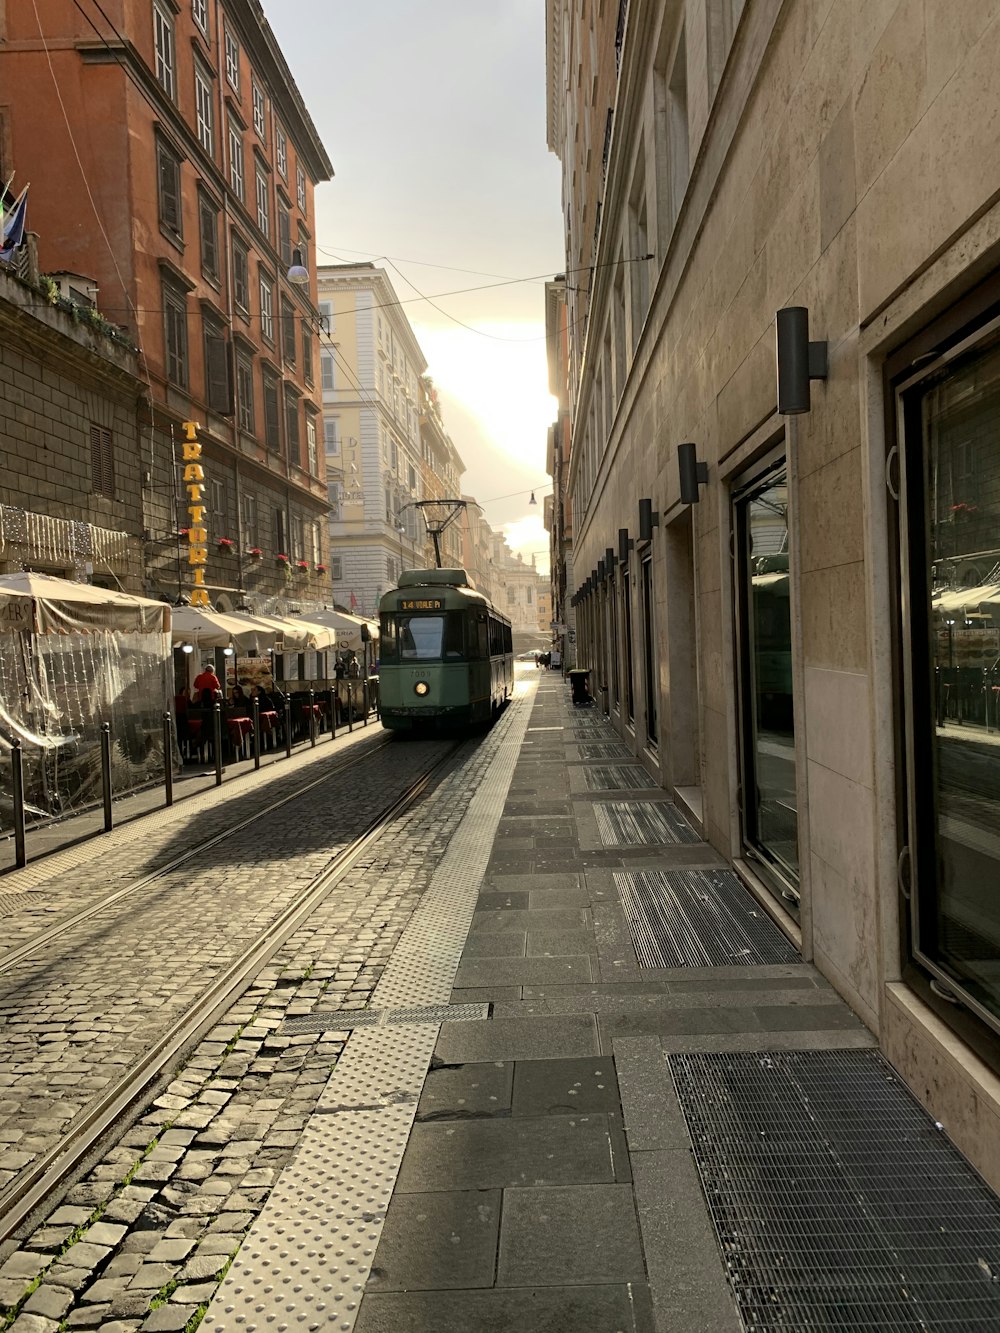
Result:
x=42 y=1179
x=18 y=955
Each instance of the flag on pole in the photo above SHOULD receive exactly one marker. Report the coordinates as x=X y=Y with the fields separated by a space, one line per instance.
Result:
x=13 y=227
x=354 y=601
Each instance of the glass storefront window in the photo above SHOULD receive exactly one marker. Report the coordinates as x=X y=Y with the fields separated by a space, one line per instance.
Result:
x=770 y=812
x=951 y=462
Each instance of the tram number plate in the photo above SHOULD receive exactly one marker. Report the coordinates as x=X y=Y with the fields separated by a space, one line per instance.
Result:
x=421 y=604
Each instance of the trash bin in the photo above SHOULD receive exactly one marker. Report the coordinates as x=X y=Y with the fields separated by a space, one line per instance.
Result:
x=579 y=679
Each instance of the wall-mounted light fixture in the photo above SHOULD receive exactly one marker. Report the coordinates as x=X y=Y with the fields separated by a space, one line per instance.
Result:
x=693 y=474
x=187 y=647
x=648 y=520
x=625 y=545
x=799 y=360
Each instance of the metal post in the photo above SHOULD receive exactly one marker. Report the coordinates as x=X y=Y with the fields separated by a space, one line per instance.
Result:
x=288 y=727
x=168 y=760
x=255 y=709
x=217 y=742
x=378 y=700
x=364 y=699
x=350 y=705
x=106 y=774
x=17 y=774
x=312 y=718
x=333 y=712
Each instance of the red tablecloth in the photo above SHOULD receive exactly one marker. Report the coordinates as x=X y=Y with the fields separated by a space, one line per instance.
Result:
x=238 y=728
x=268 y=720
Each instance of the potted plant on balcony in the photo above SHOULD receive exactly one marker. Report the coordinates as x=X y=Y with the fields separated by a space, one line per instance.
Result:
x=225 y=545
x=302 y=566
x=254 y=552
x=321 y=569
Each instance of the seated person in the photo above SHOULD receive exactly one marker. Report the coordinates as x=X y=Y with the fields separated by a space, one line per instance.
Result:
x=239 y=704
x=264 y=701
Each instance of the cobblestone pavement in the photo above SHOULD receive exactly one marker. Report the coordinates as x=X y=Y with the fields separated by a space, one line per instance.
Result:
x=144 y=1237
x=74 y=1017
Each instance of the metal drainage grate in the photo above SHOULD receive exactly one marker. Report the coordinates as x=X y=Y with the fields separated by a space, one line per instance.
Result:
x=617 y=777
x=837 y=1203
x=604 y=750
x=342 y=1020
x=641 y=824
x=698 y=918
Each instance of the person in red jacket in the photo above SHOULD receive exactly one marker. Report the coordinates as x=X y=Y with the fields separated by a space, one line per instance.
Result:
x=208 y=685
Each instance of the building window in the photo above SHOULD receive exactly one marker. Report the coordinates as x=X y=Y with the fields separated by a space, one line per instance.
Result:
x=163 y=42
x=284 y=234
x=311 y=459
x=251 y=533
x=298 y=538
x=259 y=116
x=331 y=435
x=266 y=310
x=336 y=567
x=263 y=204
x=300 y=187
x=208 y=227
x=315 y=542
x=218 y=386
x=328 y=380
x=412 y=477
x=169 y=182
x=307 y=358
x=272 y=424
x=236 y=172
x=281 y=151
x=244 y=390
x=175 y=334
x=241 y=275
x=199 y=12
x=292 y=426
x=204 y=113
x=287 y=332
x=233 y=61
x=102 y=462
x=218 y=503
x=280 y=543
x=327 y=316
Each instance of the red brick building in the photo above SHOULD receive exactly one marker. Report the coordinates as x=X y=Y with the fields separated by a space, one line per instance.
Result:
x=172 y=164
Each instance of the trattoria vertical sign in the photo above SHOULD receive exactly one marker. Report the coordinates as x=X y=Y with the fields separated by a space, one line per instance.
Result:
x=194 y=488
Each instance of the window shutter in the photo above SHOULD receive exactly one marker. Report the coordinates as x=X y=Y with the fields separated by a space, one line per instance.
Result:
x=272 y=427
x=102 y=462
x=218 y=375
x=170 y=203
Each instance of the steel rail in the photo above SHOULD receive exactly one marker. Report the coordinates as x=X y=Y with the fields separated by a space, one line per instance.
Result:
x=33 y=1185
x=23 y=951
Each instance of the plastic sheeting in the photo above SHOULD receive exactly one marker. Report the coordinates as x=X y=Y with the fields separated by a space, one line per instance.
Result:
x=62 y=674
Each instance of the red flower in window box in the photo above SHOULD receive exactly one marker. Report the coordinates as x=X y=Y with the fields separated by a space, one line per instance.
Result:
x=302 y=566
x=225 y=544
x=281 y=559
x=254 y=552
x=321 y=569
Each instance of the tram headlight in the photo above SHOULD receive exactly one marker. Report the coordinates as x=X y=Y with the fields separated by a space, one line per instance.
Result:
x=421 y=688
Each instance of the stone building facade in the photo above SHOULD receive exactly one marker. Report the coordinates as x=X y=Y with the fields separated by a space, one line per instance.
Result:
x=441 y=469
x=803 y=647
x=182 y=207
x=70 y=408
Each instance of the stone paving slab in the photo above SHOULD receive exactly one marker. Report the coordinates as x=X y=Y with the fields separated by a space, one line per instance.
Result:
x=437 y=1241
x=540 y=1236
x=575 y=1309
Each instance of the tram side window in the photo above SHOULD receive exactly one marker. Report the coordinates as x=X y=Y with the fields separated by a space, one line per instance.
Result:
x=508 y=639
x=388 y=645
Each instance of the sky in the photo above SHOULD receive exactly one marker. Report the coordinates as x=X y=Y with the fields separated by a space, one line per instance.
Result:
x=433 y=116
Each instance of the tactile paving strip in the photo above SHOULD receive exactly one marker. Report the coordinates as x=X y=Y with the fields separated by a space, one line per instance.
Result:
x=340 y=1020
x=837 y=1202
x=698 y=918
x=641 y=824
x=617 y=777
x=304 y=1262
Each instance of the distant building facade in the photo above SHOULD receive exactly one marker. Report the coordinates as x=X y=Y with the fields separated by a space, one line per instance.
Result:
x=191 y=196
x=441 y=469
x=370 y=368
x=558 y=510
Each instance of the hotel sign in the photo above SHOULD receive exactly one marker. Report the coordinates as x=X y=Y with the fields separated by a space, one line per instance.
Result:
x=194 y=486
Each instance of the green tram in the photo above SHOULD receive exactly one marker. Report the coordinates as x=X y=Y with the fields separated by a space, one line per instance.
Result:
x=445 y=656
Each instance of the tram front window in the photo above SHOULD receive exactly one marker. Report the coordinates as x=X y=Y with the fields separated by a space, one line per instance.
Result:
x=429 y=638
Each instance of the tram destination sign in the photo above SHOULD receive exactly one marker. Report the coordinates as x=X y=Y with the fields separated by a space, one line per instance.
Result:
x=421 y=604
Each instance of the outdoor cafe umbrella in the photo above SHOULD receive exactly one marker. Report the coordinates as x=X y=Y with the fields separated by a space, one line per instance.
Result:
x=215 y=629
x=296 y=636
x=43 y=604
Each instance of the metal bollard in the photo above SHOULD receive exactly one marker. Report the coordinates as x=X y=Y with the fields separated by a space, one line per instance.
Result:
x=333 y=714
x=312 y=718
x=255 y=710
x=168 y=760
x=17 y=776
x=288 y=727
x=350 y=705
x=217 y=742
x=106 y=774
x=364 y=701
